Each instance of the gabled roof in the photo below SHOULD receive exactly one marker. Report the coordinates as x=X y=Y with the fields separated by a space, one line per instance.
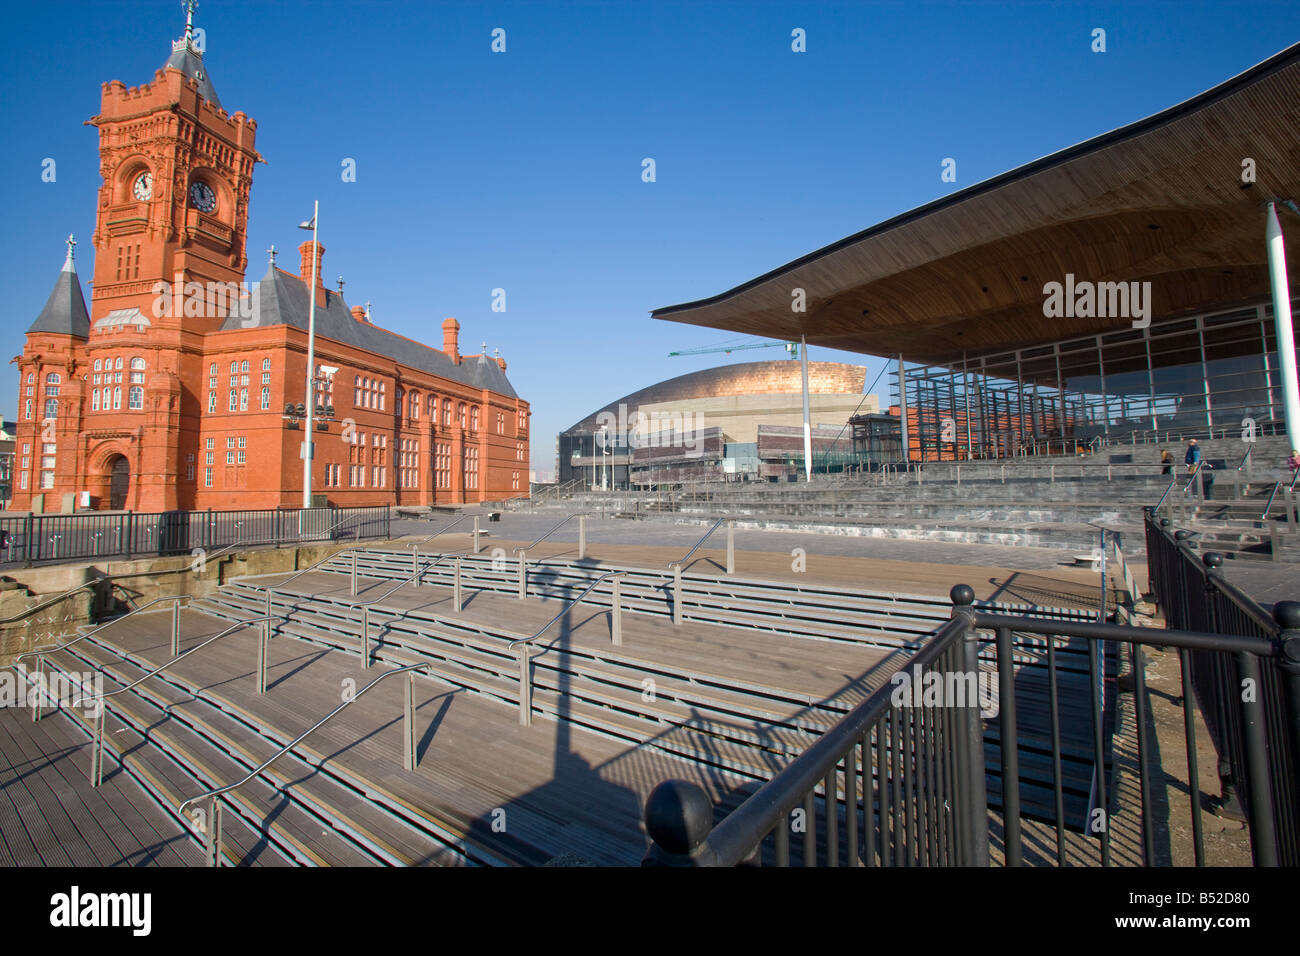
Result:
x=65 y=310
x=282 y=299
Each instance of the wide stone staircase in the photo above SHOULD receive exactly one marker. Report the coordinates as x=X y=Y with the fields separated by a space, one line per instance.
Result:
x=1048 y=501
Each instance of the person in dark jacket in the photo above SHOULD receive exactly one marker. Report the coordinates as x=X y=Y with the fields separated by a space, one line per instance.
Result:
x=1166 y=462
x=1193 y=456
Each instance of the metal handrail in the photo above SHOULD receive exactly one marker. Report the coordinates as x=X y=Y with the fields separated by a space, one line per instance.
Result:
x=418 y=572
x=219 y=791
x=113 y=577
x=1250 y=450
x=180 y=657
x=547 y=626
x=563 y=520
x=338 y=554
x=1173 y=481
x=52 y=648
x=1277 y=486
x=716 y=525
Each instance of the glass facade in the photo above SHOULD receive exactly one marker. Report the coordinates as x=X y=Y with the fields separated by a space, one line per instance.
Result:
x=1191 y=376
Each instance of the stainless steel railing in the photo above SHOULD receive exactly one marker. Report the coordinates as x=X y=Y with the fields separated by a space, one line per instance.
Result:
x=524 y=649
x=210 y=826
x=97 y=753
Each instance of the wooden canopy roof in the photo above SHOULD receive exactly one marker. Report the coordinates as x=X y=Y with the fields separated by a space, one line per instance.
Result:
x=1160 y=200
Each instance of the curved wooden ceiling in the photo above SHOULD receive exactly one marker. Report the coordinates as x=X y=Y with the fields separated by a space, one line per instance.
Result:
x=1161 y=200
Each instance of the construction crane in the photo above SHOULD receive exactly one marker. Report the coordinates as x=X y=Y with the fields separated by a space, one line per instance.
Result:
x=791 y=347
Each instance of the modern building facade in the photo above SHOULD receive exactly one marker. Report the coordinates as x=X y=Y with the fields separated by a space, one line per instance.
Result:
x=721 y=424
x=183 y=388
x=1133 y=284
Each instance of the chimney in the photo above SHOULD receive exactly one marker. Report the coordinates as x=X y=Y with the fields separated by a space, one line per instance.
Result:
x=359 y=313
x=450 y=337
x=304 y=269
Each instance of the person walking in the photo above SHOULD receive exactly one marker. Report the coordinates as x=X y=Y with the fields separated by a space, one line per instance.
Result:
x=1166 y=462
x=1193 y=456
x=1293 y=462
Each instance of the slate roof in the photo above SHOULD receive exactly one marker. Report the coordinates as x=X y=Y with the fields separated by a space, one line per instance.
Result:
x=282 y=299
x=65 y=310
x=190 y=62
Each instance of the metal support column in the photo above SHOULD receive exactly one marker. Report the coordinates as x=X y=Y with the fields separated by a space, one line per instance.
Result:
x=1283 y=329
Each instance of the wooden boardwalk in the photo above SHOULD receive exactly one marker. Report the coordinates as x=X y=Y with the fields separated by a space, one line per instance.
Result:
x=558 y=788
x=51 y=816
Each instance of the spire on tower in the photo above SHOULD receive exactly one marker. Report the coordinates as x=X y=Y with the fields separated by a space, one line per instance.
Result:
x=190 y=6
x=272 y=253
x=67 y=264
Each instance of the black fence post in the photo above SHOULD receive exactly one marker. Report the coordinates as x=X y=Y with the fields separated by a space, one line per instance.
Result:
x=1287 y=616
x=27 y=543
x=974 y=819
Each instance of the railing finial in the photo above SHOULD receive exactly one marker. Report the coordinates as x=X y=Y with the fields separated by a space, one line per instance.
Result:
x=1287 y=615
x=678 y=817
x=962 y=595
x=1212 y=560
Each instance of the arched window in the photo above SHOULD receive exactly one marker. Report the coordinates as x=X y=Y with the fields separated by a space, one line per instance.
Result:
x=212 y=369
x=401 y=398
x=31 y=377
x=52 y=385
x=433 y=409
x=137 y=363
x=135 y=397
x=243 y=399
x=446 y=412
x=94 y=399
x=473 y=418
x=108 y=399
x=234 y=397
x=356 y=391
x=99 y=365
x=462 y=415
x=415 y=406
x=117 y=395
x=243 y=366
x=266 y=365
x=118 y=362
x=266 y=399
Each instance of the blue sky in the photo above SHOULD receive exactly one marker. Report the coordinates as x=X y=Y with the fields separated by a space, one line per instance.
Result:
x=522 y=170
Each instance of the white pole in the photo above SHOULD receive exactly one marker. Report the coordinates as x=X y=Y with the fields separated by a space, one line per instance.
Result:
x=307 y=450
x=902 y=410
x=807 y=414
x=1282 y=324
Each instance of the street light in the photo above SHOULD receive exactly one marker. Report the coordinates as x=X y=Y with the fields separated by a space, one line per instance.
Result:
x=307 y=451
x=604 y=450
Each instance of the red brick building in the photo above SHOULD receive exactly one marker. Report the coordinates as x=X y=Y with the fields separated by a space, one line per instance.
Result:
x=171 y=391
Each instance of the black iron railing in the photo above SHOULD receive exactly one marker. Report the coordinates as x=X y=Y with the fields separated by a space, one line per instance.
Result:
x=903 y=779
x=29 y=539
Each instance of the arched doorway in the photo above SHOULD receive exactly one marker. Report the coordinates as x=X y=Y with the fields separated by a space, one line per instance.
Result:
x=119 y=482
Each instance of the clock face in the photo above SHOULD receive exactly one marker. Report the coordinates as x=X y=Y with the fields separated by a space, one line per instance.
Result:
x=202 y=197
x=142 y=189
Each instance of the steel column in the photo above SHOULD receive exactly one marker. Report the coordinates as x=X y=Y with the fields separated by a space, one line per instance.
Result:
x=1283 y=329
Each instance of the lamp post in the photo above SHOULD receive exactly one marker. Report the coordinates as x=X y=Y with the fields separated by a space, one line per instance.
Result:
x=604 y=443
x=308 y=450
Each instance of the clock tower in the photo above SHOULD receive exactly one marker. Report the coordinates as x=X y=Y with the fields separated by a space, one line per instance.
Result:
x=173 y=206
